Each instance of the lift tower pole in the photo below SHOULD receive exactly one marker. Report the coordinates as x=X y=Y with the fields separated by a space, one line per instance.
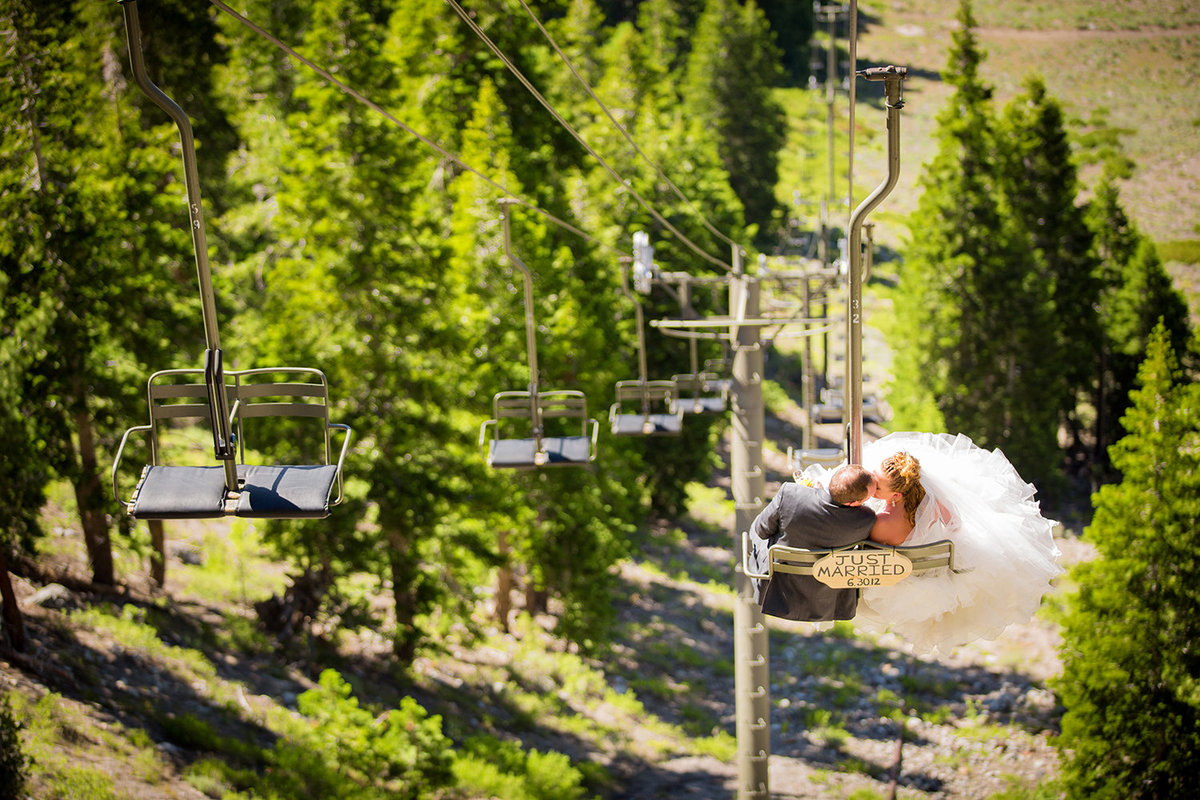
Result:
x=750 y=642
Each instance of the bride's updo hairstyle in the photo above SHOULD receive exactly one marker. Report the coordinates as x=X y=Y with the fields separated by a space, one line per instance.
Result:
x=903 y=473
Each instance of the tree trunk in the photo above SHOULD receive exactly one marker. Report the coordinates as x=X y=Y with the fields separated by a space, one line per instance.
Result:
x=14 y=624
x=536 y=600
x=404 y=640
x=158 y=553
x=504 y=583
x=88 y=496
x=1099 y=446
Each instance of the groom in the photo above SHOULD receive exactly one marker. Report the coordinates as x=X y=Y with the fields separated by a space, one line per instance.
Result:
x=811 y=517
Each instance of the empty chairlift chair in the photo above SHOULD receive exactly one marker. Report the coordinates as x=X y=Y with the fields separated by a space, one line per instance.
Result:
x=167 y=490
x=802 y=458
x=534 y=448
x=535 y=428
x=222 y=402
x=657 y=413
x=698 y=392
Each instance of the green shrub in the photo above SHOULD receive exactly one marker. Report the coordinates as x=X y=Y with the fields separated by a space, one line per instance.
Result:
x=190 y=732
x=399 y=754
x=501 y=769
x=13 y=762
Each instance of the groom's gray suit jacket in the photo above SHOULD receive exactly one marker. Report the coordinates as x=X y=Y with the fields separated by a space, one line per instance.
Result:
x=805 y=516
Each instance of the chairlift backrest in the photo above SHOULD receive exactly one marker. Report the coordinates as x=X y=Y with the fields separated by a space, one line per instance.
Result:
x=169 y=399
x=281 y=392
x=866 y=563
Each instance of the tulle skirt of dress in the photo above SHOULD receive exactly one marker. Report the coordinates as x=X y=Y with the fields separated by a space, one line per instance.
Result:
x=1004 y=548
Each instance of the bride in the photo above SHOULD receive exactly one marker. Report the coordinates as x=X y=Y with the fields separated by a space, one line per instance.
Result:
x=938 y=486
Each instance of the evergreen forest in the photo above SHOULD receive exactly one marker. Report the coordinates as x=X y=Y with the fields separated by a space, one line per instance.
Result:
x=376 y=178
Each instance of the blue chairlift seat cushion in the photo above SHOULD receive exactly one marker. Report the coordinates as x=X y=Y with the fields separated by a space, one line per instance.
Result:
x=171 y=492
x=702 y=405
x=567 y=450
x=559 y=451
x=286 y=492
x=643 y=425
x=512 y=454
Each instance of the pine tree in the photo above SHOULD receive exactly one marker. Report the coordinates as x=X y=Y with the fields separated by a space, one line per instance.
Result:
x=973 y=311
x=1129 y=683
x=1135 y=291
x=731 y=70
x=89 y=249
x=665 y=32
x=1041 y=186
x=563 y=529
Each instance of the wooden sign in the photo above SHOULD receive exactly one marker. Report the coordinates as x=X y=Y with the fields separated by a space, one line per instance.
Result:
x=857 y=569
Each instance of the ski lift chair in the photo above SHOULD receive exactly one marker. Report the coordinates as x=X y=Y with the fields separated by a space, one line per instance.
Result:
x=292 y=491
x=536 y=449
x=860 y=565
x=658 y=413
x=701 y=392
x=531 y=447
x=802 y=458
x=830 y=408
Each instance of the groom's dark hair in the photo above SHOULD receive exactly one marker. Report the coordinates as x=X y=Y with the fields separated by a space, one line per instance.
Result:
x=849 y=484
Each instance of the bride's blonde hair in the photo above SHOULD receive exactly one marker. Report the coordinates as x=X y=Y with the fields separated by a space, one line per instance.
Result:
x=903 y=473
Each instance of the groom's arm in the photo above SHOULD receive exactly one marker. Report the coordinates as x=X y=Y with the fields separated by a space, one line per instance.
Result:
x=766 y=525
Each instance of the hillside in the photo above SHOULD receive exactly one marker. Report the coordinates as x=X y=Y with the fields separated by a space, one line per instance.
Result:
x=150 y=688
x=1128 y=66
x=151 y=693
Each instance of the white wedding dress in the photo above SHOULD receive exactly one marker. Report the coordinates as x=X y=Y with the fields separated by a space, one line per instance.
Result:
x=1004 y=548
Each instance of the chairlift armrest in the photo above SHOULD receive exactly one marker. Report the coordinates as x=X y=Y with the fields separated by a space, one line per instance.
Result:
x=483 y=430
x=746 y=560
x=117 y=461
x=341 y=457
x=595 y=434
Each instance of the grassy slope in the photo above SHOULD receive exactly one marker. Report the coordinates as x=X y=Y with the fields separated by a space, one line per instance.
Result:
x=1136 y=63
x=195 y=652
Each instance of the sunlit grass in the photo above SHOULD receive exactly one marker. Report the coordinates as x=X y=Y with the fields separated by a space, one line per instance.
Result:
x=233 y=567
x=709 y=505
x=127 y=627
x=62 y=742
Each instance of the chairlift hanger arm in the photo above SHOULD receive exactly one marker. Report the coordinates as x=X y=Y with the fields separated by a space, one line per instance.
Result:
x=527 y=278
x=892 y=78
x=191 y=173
x=223 y=445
